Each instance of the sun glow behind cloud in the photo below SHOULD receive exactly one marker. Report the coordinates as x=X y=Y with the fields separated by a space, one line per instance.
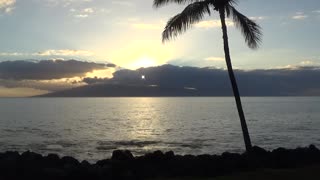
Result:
x=144 y=61
x=137 y=52
x=105 y=73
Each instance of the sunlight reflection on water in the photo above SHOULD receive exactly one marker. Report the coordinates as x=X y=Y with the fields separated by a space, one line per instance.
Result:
x=91 y=128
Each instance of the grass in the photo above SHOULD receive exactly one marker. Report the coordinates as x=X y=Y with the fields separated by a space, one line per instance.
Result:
x=267 y=174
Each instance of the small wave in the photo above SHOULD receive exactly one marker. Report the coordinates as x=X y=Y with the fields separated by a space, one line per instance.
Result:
x=301 y=128
x=54 y=147
x=66 y=144
x=9 y=130
x=106 y=148
x=135 y=143
x=191 y=145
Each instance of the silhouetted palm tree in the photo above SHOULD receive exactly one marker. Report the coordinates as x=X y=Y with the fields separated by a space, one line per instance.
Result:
x=194 y=13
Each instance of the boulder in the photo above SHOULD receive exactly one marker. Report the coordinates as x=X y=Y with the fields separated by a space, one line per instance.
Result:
x=52 y=161
x=120 y=155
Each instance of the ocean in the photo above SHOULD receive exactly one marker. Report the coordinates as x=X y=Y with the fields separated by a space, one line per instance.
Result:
x=91 y=128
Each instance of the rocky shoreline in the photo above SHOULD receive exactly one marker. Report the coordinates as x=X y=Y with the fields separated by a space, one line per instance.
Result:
x=123 y=165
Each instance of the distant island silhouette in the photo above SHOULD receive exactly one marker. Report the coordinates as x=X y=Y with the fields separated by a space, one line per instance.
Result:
x=120 y=90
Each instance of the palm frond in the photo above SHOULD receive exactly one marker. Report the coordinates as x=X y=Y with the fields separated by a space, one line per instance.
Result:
x=218 y=4
x=178 y=24
x=227 y=10
x=232 y=2
x=249 y=29
x=159 y=3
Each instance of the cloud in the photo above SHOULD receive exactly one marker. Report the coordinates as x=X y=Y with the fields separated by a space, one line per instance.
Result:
x=84 y=13
x=286 y=81
x=147 y=26
x=48 y=75
x=214 y=59
x=81 y=15
x=308 y=63
x=12 y=54
x=212 y=24
x=299 y=16
x=47 y=69
x=258 y=18
x=64 y=52
x=123 y=3
x=260 y=82
x=303 y=64
x=88 y=10
x=7 y=5
x=51 y=52
x=135 y=22
x=65 y=3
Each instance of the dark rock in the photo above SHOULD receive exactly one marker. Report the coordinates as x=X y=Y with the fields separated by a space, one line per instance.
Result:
x=123 y=165
x=169 y=155
x=158 y=155
x=258 y=151
x=9 y=165
x=30 y=156
x=257 y=157
x=2 y=155
x=30 y=164
x=10 y=159
x=52 y=160
x=13 y=156
x=154 y=156
x=121 y=155
x=70 y=160
x=85 y=164
x=53 y=173
x=231 y=161
x=106 y=171
x=103 y=162
x=71 y=166
x=190 y=157
x=204 y=157
x=313 y=148
x=280 y=158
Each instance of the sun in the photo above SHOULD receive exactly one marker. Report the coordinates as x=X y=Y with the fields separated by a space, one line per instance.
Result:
x=144 y=62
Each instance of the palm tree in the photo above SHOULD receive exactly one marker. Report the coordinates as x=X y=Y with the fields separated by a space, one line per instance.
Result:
x=195 y=12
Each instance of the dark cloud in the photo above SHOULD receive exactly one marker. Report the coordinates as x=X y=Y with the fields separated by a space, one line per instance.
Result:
x=95 y=80
x=111 y=65
x=47 y=69
x=264 y=82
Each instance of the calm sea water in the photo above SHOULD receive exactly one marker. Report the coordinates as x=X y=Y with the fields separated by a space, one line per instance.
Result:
x=91 y=128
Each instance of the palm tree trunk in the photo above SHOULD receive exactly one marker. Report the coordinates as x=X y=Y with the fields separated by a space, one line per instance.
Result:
x=235 y=89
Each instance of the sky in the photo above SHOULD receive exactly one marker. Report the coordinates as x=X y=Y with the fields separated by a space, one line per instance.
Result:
x=127 y=33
